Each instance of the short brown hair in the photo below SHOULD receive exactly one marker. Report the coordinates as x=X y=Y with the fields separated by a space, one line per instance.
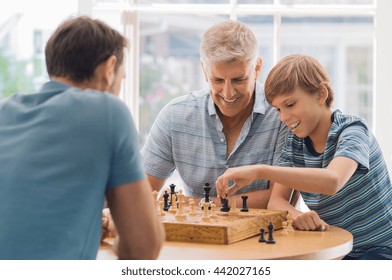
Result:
x=79 y=45
x=298 y=70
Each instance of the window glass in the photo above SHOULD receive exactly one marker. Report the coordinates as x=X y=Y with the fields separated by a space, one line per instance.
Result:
x=24 y=29
x=328 y=2
x=169 y=61
x=344 y=45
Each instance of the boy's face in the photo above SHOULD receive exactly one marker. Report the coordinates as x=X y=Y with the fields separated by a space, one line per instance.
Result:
x=232 y=85
x=301 y=111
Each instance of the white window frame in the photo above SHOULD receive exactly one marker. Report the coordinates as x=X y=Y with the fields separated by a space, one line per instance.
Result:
x=382 y=51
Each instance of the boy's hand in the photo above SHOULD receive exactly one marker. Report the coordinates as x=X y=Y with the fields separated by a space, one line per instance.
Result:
x=309 y=221
x=242 y=176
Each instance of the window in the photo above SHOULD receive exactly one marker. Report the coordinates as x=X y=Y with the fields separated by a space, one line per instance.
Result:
x=163 y=61
x=24 y=30
x=338 y=33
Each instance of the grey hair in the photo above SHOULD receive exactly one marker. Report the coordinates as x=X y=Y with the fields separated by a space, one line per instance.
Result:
x=227 y=42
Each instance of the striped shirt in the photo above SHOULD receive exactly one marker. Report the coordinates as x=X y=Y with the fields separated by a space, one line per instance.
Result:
x=364 y=205
x=187 y=135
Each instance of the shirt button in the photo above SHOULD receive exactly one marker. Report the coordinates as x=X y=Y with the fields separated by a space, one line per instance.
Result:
x=227 y=166
x=222 y=140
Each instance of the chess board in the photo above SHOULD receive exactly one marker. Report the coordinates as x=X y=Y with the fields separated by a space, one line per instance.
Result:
x=221 y=227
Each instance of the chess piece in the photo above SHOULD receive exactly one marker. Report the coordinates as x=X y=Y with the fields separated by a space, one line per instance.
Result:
x=262 y=239
x=284 y=230
x=160 y=211
x=213 y=213
x=206 y=198
x=225 y=205
x=271 y=239
x=290 y=223
x=173 y=193
x=180 y=214
x=205 y=217
x=244 y=207
x=166 y=205
x=192 y=211
x=233 y=203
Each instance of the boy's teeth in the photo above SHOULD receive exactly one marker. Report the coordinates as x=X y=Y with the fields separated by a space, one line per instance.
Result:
x=294 y=125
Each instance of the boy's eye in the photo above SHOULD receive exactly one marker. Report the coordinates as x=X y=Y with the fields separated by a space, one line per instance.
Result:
x=290 y=104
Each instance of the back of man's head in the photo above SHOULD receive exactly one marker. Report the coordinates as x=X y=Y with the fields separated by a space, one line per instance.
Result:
x=79 y=45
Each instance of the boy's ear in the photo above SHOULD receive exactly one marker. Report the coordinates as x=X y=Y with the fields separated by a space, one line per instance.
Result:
x=322 y=95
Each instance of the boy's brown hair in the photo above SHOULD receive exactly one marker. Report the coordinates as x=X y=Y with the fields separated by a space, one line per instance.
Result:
x=298 y=70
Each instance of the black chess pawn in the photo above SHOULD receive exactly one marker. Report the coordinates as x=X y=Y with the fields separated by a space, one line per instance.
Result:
x=244 y=207
x=271 y=239
x=224 y=205
x=166 y=205
x=262 y=239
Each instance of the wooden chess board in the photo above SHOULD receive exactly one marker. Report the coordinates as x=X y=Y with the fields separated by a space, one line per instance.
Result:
x=221 y=227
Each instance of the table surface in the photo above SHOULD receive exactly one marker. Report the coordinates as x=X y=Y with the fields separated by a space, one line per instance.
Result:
x=334 y=243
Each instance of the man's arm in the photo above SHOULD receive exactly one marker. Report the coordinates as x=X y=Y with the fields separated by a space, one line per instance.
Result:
x=140 y=233
x=155 y=182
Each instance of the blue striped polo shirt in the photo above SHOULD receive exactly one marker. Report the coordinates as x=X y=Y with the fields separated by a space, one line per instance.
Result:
x=364 y=205
x=187 y=135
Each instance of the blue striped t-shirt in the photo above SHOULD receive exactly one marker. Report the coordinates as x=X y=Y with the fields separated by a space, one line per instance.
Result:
x=364 y=205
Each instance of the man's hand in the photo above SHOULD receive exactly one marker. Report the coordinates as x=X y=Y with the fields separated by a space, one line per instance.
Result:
x=108 y=226
x=309 y=221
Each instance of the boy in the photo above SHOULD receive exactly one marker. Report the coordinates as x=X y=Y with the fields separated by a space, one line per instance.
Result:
x=339 y=168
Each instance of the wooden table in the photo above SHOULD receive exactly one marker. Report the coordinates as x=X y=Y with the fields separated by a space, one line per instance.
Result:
x=334 y=243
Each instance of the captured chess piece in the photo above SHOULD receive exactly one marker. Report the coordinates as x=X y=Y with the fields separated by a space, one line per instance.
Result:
x=244 y=207
x=271 y=239
x=262 y=239
x=284 y=230
x=224 y=205
x=290 y=223
x=166 y=205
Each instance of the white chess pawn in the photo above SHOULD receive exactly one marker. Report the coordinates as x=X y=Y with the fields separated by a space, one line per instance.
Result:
x=192 y=211
x=290 y=223
x=205 y=217
x=213 y=211
x=160 y=208
x=284 y=230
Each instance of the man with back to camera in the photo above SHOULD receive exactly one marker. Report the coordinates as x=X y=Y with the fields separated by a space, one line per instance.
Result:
x=66 y=148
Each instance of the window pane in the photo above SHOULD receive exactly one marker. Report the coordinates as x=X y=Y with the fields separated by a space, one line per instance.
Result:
x=24 y=29
x=329 y=2
x=169 y=61
x=185 y=1
x=269 y=2
x=262 y=27
x=344 y=45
